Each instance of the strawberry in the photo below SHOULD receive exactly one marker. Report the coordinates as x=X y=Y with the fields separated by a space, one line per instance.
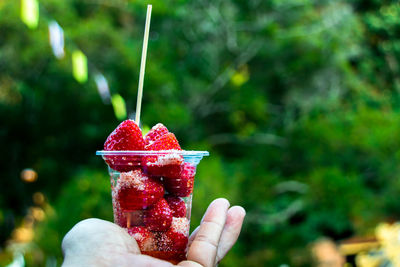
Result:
x=156 y=132
x=177 y=206
x=183 y=185
x=168 y=165
x=165 y=142
x=159 y=216
x=144 y=238
x=127 y=136
x=119 y=215
x=176 y=238
x=136 y=191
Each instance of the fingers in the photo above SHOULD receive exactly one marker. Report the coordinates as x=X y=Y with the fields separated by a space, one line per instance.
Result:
x=230 y=234
x=193 y=235
x=189 y=264
x=203 y=249
x=129 y=260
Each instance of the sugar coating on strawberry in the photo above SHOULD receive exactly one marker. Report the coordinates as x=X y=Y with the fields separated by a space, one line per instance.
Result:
x=182 y=186
x=177 y=206
x=180 y=225
x=119 y=215
x=159 y=216
x=127 y=136
x=170 y=164
x=135 y=179
x=164 y=160
x=144 y=238
x=135 y=190
x=176 y=238
x=156 y=132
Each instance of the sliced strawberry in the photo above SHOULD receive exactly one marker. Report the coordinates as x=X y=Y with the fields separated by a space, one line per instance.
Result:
x=168 y=165
x=166 y=142
x=158 y=217
x=144 y=238
x=177 y=206
x=183 y=185
x=176 y=238
x=127 y=136
x=156 y=132
x=135 y=191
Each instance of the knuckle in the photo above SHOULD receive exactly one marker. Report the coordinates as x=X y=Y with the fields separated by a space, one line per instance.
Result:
x=206 y=239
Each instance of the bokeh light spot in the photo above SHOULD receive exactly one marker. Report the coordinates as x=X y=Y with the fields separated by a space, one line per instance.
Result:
x=23 y=234
x=37 y=213
x=29 y=175
x=38 y=198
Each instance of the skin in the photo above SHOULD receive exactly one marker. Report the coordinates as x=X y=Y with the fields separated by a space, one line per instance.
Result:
x=95 y=242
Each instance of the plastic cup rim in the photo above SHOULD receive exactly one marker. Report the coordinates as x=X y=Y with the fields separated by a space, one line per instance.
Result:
x=189 y=153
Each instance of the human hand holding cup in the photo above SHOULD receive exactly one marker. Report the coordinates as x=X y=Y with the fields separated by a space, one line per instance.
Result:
x=94 y=242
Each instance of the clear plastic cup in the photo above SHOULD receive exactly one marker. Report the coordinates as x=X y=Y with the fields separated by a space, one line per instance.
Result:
x=152 y=198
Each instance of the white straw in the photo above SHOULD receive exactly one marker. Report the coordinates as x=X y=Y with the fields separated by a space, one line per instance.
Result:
x=143 y=64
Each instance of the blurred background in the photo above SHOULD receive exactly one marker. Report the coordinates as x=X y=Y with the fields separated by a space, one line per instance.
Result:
x=298 y=102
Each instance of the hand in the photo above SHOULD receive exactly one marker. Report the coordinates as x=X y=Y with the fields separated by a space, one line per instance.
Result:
x=95 y=242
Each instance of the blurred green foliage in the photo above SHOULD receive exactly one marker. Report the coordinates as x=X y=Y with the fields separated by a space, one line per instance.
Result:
x=297 y=101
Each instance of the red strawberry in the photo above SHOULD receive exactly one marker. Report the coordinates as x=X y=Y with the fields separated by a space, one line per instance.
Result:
x=166 y=142
x=119 y=215
x=158 y=217
x=182 y=186
x=135 y=191
x=144 y=238
x=127 y=136
x=168 y=165
x=156 y=132
x=177 y=206
x=176 y=238
x=127 y=219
